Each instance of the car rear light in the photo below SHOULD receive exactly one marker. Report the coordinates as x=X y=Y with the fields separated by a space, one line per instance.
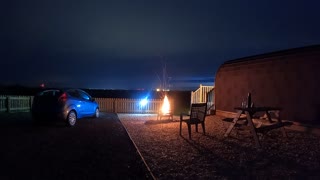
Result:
x=63 y=97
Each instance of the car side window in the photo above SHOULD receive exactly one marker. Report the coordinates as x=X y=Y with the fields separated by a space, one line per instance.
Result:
x=84 y=95
x=74 y=93
x=50 y=93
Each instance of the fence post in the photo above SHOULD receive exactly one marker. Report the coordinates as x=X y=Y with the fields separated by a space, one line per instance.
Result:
x=8 y=103
x=201 y=95
x=30 y=103
x=114 y=106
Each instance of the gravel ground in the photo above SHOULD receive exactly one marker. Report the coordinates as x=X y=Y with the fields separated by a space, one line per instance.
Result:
x=95 y=148
x=171 y=156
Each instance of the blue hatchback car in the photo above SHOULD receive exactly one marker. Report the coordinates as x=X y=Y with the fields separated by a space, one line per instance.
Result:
x=64 y=104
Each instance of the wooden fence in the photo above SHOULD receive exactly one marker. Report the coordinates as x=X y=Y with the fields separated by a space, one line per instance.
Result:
x=201 y=94
x=119 y=105
x=204 y=94
x=210 y=99
x=15 y=103
x=116 y=105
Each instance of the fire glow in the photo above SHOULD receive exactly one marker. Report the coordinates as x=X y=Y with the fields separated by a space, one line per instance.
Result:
x=165 y=109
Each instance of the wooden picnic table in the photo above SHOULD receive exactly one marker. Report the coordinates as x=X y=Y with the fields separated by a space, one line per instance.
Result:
x=249 y=112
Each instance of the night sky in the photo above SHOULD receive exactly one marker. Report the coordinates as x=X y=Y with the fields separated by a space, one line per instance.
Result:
x=124 y=44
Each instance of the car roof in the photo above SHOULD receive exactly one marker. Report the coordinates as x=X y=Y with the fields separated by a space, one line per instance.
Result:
x=61 y=89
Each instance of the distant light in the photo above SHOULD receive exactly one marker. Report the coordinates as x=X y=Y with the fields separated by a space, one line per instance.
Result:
x=144 y=102
x=158 y=89
x=42 y=85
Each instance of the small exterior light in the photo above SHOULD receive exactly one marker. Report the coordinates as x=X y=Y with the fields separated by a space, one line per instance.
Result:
x=144 y=102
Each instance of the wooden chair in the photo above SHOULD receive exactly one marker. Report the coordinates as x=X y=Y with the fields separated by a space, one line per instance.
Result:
x=197 y=116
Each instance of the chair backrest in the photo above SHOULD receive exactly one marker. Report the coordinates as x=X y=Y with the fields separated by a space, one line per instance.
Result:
x=198 y=111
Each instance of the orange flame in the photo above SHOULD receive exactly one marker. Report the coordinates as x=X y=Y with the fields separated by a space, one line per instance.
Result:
x=165 y=109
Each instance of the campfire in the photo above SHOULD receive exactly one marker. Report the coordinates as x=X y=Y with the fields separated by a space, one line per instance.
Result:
x=165 y=109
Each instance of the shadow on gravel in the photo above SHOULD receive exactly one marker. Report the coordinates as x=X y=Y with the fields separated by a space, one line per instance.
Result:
x=148 y=122
x=223 y=168
x=21 y=119
x=24 y=120
x=262 y=160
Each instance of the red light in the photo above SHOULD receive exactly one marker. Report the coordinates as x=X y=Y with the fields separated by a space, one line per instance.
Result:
x=63 y=97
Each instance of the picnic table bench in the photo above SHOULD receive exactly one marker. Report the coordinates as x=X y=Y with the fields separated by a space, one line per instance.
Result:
x=249 y=112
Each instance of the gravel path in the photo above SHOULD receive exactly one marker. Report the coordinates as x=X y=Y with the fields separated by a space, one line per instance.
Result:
x=213 y=156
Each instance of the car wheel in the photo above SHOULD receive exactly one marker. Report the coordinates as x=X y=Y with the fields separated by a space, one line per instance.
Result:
x=71 y=118
x=97 y=113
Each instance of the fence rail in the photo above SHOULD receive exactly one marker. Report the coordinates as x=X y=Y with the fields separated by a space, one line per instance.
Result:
x=116 y=105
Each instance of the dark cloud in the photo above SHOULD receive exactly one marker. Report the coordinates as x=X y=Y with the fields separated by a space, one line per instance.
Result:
x=123 y=43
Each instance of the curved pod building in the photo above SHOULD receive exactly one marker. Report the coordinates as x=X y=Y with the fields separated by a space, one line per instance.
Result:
x=289 y=79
